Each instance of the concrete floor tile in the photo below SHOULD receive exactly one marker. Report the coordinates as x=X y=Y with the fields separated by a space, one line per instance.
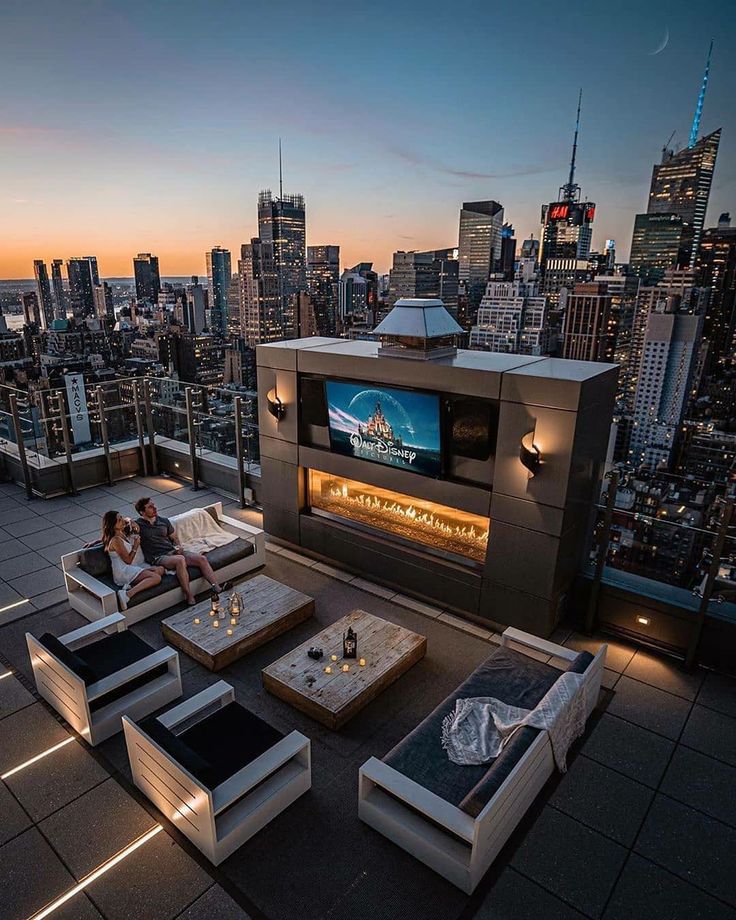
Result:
x=49 y=784
x=618 y=656
x=49 y=598
x=365 y=585
x=573 y=862
x=13 y=695
x=514 y=897
x=602 y=799
x=26 y=733
x=156 y=882
x=83 y=525
x=111 y=819
x=412 y=603
x=333 y=572
x=29 y=523
x=13 y=820
x=23 y=565
x=8 y=596
x=693 y=846
x=12 y=516
x=665 y=674
x=45 y=538
x=648 y=892
x=33 y=876
x=631 y=750
x=214 y=904
x=718 y=691
x=38 y=582
x=465 y=625
x=702 y=783
x=711 y=733
x=11 y=548
x=652 y=709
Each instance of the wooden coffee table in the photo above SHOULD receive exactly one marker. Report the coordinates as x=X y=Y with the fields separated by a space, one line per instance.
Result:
x=389 y=650
x=270 y=609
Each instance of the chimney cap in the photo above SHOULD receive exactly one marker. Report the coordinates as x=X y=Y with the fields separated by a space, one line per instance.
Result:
x=418 y=318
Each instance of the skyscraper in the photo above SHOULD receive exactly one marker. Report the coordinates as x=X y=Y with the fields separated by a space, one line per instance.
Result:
x=567 y=224
x=83 y=276
x=31 y=309
x=218 y=274
x=103 y=301
x=282 y=223
x=43 y=292
x=589 y=333
x=147 y=278
x=59 y=293
x=260 y=305
x=508 y=252
x=323 y=278
x=680 y=188
x=425 y=274
x=358 y=296
x=512 y=318
x=479 y=248
x=195 y=307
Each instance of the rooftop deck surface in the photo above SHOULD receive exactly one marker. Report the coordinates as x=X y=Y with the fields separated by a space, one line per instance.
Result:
x=642 y=827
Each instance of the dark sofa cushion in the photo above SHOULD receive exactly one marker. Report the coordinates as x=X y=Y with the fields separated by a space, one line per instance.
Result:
x=113 y=653
x=95 y=561
x=67 y=657
x=217 y=746
x=229 y=739
x=507 y=675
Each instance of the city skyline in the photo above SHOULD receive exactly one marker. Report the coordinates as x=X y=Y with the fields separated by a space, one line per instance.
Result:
x=88 y=167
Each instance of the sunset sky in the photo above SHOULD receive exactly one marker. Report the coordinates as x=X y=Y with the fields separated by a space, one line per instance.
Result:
x=151 y=126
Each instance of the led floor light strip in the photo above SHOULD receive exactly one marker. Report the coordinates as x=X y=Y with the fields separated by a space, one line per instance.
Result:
x=28 y=763
x=14 y=604
x=96 y=873
x=6 y=674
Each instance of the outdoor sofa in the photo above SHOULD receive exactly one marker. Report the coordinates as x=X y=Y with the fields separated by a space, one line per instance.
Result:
x=456 y=818
x=91 y=678
x=93 y=593
x=219 y=776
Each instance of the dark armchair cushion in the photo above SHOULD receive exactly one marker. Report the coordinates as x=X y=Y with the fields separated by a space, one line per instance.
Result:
x=229 y=739
x=113 y=653
x=179 y=751
x=69 y=658
x=95 y=561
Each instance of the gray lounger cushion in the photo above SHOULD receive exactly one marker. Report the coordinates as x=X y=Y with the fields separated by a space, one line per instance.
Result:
x=507 y=675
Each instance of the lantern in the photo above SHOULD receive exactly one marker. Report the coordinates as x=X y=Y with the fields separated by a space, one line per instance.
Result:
x=349 y=644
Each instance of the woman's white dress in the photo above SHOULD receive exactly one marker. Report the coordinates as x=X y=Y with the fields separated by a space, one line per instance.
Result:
x=123 y=573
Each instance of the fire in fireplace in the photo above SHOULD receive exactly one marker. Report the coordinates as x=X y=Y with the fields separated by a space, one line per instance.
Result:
x=414 y=519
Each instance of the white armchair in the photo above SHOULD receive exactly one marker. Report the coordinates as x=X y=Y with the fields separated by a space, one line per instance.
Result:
x=93 y=675
x=220 y=776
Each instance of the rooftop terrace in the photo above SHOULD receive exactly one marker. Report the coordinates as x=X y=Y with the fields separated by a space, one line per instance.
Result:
x=643 y=825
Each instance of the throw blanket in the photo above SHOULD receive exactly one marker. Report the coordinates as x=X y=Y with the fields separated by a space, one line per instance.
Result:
x=480 y=727
x=198 y=532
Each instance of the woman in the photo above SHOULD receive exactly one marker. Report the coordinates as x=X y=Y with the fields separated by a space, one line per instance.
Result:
x=131 y=578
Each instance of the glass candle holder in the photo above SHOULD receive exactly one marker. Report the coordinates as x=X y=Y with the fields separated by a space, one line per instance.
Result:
x=328 y=670
x=346 y=667
x=362 y=662
x=229 y=632
x=197 y=621
x=215 y=623
x=333 y=657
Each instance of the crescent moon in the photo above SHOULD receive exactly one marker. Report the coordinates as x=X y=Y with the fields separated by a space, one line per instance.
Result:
x=663 y=45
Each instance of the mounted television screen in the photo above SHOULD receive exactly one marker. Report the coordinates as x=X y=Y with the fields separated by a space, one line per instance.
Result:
x=399 y=428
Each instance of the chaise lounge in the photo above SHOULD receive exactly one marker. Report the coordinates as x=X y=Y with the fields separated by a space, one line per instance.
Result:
x=93 y=593
x=456 y=818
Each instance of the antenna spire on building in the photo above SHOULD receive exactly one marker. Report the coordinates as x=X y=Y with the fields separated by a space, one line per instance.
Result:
x=570 y=190
x=695 y=130
x=281 y=174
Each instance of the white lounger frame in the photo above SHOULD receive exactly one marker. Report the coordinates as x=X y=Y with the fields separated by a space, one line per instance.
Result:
x=220 y=820
x=71 y=698
x=94 y=599
x=454 y=844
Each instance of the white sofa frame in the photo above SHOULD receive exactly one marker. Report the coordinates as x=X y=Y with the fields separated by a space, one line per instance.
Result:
x=71 y=698
x=450 y=841
x=94 y=599
x=218 y=821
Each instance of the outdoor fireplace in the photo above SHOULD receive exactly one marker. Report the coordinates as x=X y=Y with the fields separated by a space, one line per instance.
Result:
x=410 y=519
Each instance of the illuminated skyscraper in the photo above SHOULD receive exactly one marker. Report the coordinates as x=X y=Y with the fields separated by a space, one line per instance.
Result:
x=31 y=310
x=323 y=278
x=218 y=275
x=83 y=276
x=282 y=223
x=260 y=312
x=57 y=281
x=43 y=292
x=147 y=278
x=589 y=332
x=479 y=248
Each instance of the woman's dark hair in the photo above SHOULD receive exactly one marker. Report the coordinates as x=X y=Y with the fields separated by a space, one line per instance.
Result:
x=109 y=520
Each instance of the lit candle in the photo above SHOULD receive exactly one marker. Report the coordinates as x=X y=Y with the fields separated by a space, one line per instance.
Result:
x=215 y=623
x=333 y=657
x=229 y=632
x=328 y=670
x=362 y=662
x=197 y=621
x=346 y=667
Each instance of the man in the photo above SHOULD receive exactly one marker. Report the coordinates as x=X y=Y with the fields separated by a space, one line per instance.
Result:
x=161 y=546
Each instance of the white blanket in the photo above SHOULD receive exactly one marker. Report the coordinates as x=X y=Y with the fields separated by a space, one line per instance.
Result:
x=198 y=532
x=480 y=727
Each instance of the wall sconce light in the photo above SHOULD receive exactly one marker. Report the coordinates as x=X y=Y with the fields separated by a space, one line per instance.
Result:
x=529 y=453
x=643 y=621
x=275 y=406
